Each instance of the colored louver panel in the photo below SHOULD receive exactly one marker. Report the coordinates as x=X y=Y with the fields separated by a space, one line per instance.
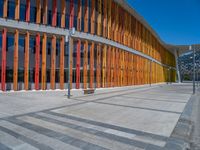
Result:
x=26 y=61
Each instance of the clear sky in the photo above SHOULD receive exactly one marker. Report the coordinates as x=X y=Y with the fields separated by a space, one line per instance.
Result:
x=175 y=21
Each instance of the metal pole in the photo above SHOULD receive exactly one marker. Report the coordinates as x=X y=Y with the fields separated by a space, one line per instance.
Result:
x=198 y=75
x=170 y=80
x=193 y=69
x=150 y=72
x=69 y=47
x=177 y=67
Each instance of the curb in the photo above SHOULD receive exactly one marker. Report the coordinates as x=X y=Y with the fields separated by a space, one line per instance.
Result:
x=181 y=135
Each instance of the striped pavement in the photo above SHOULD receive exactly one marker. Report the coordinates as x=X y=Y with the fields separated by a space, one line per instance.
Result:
x=82 y=127
x=49 y=130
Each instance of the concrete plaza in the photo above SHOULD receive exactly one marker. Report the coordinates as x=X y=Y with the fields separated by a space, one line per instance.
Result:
x=128 y=118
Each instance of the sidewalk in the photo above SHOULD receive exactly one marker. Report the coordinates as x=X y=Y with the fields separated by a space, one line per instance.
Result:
x=139 y=118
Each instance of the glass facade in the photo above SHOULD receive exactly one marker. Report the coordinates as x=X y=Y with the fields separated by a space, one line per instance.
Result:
x=9 y=58
x=11 y=9
x=1 y=10
x=21 y=58
x=32 y=43
x=0 y=55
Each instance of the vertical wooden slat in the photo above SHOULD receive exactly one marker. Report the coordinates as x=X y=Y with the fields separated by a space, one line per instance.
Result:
x=54 y=13
x=38 y=11
x=86 y=16
x=115 y=16
x=108 y=72
x=63 y=13
x=118 y=67
x=26 y=62
x=113 y=67
x=28 y=8
x=98 y=67
x=99 y=18
x=104 y=18
x=37 y=61
x=71 y=17
x=62 y=61
x=133 y=70
x=93 y=16
x=104 y=56
x=78 y=63
x=53 y=61
x=109 y=29
x=5 y=8
x=85 y=65
x=17 y=8
x=44 y=47
x=45 y=11
x=15 y=61
x=92 y=65
x=121 y=68
x=3 y=60
x=79 y=15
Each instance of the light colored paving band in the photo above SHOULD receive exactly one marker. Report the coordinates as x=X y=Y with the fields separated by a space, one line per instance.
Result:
x=13 y=142
x=42 y=139
x=84 y=127
x=102 y=142
x=105 y=125
x=63 y=138
x=4 y=147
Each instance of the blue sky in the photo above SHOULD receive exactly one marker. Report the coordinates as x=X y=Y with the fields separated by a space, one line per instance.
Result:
x=175 y=21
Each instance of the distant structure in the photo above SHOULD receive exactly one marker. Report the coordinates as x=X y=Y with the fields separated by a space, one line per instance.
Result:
x=185 y=63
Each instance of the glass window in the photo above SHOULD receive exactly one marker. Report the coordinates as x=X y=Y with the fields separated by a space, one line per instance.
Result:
x=33 y=11
x=67 y=21
x=81 y=65
x=57 y=61
x=66 y=63
x=48 y=60
x=82 y=15
x=31 y=59
x=22 y=11
x=9 y=58
x=59 y=19
x=0 y=53
x=49 y=17
x=75 y=13
x=21 y=58
x=67 y=13
x=1 y=10
x=11 y=9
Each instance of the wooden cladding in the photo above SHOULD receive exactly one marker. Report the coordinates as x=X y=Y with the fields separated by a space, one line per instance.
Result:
x=3 y=60
x=43 y=77
x=62 y=62
x=54 y=13
x=15 y=61
x=53 y=62
x=97 y=65
x=26 y=61
x=37 y=61
x=17 y=8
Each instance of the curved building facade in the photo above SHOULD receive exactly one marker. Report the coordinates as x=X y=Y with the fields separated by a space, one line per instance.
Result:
x=111 y=46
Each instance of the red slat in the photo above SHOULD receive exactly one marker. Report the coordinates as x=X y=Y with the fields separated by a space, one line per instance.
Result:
x=3 y=64
x=37 y=61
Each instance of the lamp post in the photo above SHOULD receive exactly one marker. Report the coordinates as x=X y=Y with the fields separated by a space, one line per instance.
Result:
x=190 y=48
x=150 y=72
x=68 y=39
